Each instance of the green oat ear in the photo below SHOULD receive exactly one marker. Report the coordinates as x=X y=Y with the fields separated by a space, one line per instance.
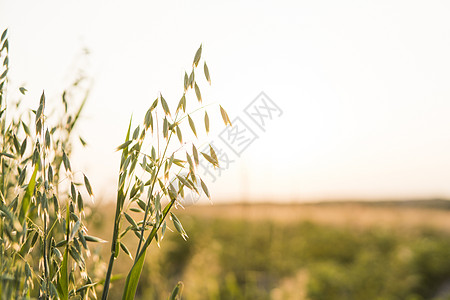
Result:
x=31 y=164
x=158 y=185
x=48 y=221
x=26 y=200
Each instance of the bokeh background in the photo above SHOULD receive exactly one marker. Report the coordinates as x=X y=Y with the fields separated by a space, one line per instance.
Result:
x=363 y=86
x=364 y=95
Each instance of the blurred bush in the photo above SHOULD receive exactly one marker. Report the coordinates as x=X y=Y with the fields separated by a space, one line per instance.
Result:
x=239 y=259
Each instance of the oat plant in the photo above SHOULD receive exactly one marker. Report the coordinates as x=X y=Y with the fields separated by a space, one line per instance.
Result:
x=156 y=167
x=43 y=239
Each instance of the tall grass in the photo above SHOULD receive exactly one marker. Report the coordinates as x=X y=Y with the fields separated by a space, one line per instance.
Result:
x=42 y=207
x=43 y=237
x=163 y=175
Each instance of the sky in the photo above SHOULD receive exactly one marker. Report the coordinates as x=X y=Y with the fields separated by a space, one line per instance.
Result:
x=361 y=88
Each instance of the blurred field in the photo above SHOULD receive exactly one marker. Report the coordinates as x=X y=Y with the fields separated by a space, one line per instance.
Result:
x=309 y=251
x=351 y=214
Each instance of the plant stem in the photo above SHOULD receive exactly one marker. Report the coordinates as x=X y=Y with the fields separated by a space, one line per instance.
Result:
x=119 y=204
x=148 y=204
x=153 y=185
x=155 y=230
x=113 y=246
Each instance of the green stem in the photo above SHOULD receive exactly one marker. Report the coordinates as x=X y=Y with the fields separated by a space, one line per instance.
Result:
x=112 y=256
x=155 y=229
x=148 y=203
x=136 y=269
x=119 y=204
x=161 y=161
x=120 y=196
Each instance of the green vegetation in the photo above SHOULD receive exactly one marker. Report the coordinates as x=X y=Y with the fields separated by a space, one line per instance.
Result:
x=43 y=237
x=238 y=259
x=43 y=234
x=44 y=241
x=151 y=184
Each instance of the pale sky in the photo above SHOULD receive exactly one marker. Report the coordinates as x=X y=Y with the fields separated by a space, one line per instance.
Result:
x=363 y=86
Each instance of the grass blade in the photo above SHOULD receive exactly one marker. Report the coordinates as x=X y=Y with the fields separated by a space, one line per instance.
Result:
x=133 y=277
x=63 y=284
x=119 y=207
x=27 y=197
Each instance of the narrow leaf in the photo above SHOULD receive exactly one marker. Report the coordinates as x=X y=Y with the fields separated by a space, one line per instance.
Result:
x=178 y=226
x=205 y=189
x=47 y=139
x=197 y=93
x=154 y=104
x=148 y=118
x=130 y=220
x=198 y=54
x=5 y=45
x=195 y=154
x=26 y=200
x=66 y=161
x=22 y=175
x=210 y=159
x=177 y=291
x=179 y=135
x=74 y=229
x=213 y=153
x=94 y=239
x=164 y=105
x=225 y=118
x=191 y=123
x=206 y=122
x=26 y=129
x=205 y=68
x=63 y=282
x=132 y=281
x=179 y=162
x=87 y=184
x=4 y=34
x=181 y=103
x=183 y=181
x=124 y=145
x=7 y=155
x=191 y=164
x=191 y=79
x=23 y=147
x=137 y=210
x=186 y=82
x=80 y=202
x=125 y=249
x=136 y=133
x=165 y=128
